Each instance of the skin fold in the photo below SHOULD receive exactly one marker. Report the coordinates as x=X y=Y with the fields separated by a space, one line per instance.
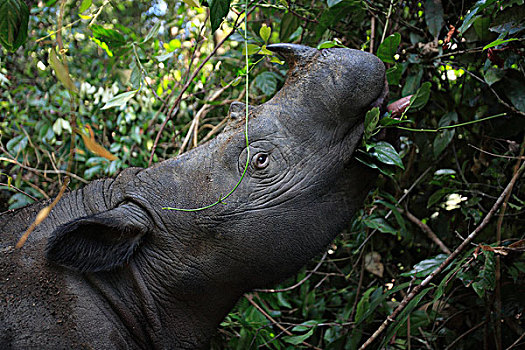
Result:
x=110 y=269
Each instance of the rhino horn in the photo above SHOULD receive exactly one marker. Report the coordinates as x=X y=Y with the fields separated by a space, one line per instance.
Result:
x=293 y=54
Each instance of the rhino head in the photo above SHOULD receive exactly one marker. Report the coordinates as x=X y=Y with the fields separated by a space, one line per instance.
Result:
x=186 y=269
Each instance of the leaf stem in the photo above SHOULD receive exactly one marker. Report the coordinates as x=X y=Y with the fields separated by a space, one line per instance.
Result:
x=452 y=126
x=247 y=86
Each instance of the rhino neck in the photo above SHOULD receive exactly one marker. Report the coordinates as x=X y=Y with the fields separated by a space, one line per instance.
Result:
x=160 y=319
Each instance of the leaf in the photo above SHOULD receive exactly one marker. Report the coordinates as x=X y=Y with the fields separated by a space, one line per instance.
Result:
x=252 y=49
x=486 y=279
x=498 y=42
x=363 y=304
x=14 y=19
x=153 y=32
x=120 y=99
x=444 y=137
x=192 y=3
x=515 y=91
x=380 y=224
x=17 y=144
x=434 y=16
x=298 y=339
x=61 y=71
x=424 y=268
x=305 y=326
x=493 y=75
x=436 y=196
x=93 y=146
x=218 y=10
x=386 y=153
x=331 y=3
x=373 y=264
x=393 y=74
x=289 y=24
x=165 y=56
x=266 y=82
x=111 y=37
x=371 y=120
x=85 y=5
x=265 y=32
x=420 y=98
x=388 y=48
x=471 y=16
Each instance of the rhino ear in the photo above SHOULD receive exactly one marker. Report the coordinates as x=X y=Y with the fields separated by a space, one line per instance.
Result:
x=100 y=242
x=237 y=110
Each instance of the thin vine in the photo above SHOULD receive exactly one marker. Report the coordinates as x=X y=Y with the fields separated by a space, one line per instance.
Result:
x=247 y=83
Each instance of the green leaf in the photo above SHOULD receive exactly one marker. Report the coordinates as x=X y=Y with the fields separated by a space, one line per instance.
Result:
x=471 y=16
x=218 y=10
x=434 y=16
x=14 y=18
x=371 y=120
x=265 y=32
x=386 y=153
x=515 y=91
x=436 y=196
x=252 y=49
x=393 y=74
x=120 y=99
x=192 y=3
x=85 y=5
x=486 y=279
x=363 y=304
x=305 y=326
x=420 y=98
x=266 y=82
x=388 y=48
x=289 y=24
x=493 y=75
x=111 y=37
x=331 y=3
x=380 y=224
x=424 y=268
x=153 y=32
x=444 y=137
x=60 y=71
x=17 y=144
x=298 y=339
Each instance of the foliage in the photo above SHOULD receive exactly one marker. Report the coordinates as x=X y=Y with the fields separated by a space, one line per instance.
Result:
x=130 y=71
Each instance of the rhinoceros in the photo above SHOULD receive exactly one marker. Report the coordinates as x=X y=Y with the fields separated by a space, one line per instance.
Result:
x=110 y=268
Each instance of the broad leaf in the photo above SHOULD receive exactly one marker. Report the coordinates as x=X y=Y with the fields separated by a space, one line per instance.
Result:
x=111 y=37
x=85 y=5
x=386 y=153
x=218 y=10
x=298 y=339
x=266 y=82
x=420 y=98
x=265 y=32
x=120 y=99
x=388 y=48
x=444 y=137
x=14 y=18
x=424 y=268
x=434 y=16
x=289 y=24
x=192 y=3
x=60 y=71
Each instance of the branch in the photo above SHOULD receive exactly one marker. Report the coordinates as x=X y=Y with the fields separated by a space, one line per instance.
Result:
x=391 y=318
x=426 y=229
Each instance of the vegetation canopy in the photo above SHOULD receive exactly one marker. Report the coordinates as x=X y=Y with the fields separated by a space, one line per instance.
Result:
x=91 y=87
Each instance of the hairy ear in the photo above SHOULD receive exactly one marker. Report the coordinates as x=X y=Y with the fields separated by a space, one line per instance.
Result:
x=100 y=242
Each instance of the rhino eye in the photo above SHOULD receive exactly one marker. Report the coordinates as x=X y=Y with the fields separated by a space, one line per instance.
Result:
x=260 y=160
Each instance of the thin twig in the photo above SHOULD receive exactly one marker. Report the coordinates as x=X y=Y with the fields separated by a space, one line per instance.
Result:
x=298 y=283
x=11 y=187
x=451 y=345
x=391 y=318
x=516 y=342
x=64 y=172
x=426 y=229
x=494 y=154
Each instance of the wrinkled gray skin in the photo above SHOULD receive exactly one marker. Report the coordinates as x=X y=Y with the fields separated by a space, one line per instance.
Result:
x=109 y=269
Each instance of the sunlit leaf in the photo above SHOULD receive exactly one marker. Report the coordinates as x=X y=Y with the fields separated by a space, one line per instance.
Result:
x=424 y=268
x=60 y=71
x=120 y=99
x=85 y=5
x=192 y=3
x=265 y=32
x=386 y=153
x=94 y=146
x=153 y=32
